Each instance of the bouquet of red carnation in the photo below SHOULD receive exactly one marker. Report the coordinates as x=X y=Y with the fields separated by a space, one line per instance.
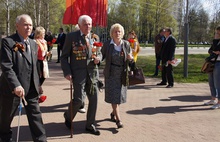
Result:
x=96 y=46
x=51 y=43
x=54 y=40
x=131 y=40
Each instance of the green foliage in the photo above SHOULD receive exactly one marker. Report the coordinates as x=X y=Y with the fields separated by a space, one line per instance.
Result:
x=195 y=63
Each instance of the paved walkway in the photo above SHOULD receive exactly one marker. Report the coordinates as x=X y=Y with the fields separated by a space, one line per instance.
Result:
x=152 y=114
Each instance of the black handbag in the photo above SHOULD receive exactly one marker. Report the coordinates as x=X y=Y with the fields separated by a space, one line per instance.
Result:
x=136 y=76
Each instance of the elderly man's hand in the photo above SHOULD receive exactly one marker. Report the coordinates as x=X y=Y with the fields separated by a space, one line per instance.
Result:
x=69 y=77
x=96 y=60
x=19 y=91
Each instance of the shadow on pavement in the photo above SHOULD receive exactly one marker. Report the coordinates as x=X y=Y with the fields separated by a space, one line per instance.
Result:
x=174 y=109
x=188 y=98
x=167 y=109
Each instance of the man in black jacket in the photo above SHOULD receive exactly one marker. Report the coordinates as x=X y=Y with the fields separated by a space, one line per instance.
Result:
x=60 y=42
x=167 y=55
x=20 y=80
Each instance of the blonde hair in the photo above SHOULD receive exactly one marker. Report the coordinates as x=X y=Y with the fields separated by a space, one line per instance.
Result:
x=39 y=31
x=117 y=26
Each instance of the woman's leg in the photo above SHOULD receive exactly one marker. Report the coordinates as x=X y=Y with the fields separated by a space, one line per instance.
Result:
x=115 y=108
x=212 y=86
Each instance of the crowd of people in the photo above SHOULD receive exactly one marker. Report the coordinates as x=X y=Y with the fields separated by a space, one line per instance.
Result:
x=24 y=70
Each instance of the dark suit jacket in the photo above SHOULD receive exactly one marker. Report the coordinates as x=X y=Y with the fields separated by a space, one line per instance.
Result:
x=158 y=41
x=168 y=49
x=107 y=50
x=16 y=66
x=61 y=40
x=78 y=68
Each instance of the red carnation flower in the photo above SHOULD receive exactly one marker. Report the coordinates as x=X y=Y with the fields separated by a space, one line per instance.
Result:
x=97 y=44
x=54 y=40
x=131 y=40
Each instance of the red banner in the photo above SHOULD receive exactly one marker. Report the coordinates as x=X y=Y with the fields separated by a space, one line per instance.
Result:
x=96 y=9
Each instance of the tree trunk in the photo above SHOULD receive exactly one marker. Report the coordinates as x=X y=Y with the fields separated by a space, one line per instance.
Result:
x=8 y=18
x=38 y=16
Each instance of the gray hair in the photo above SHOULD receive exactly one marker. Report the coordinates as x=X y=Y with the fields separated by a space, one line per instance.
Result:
x=84 y=17
x=117 y=26
x=18 y=19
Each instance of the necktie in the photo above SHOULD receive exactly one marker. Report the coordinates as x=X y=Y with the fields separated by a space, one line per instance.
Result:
x=28 y=50
x=86 y=40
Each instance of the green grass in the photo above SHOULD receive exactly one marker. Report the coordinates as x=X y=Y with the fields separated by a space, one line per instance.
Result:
x=178 y=45
x=195 y=63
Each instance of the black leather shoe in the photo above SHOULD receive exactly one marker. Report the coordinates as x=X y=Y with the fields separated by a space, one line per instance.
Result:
x=67 y=123
x=93 y=131
x=6 y=140
x=161 y=83
x=169 y=86
x=119 y=124
x=58 y=62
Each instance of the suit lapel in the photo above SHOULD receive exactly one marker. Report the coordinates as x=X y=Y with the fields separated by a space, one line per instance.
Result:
x=24 y=53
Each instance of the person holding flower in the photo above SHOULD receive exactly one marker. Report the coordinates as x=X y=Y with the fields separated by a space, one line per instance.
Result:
x=80 y=60
x=135 y=46
x=42 y=54
x=117 y=54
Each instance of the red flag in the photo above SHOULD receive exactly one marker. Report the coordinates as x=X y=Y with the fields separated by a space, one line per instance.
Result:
x=96 y=9
x=68 y=15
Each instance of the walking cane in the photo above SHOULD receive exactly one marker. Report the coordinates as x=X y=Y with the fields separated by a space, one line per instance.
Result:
x=19 y=115
x=71 y=107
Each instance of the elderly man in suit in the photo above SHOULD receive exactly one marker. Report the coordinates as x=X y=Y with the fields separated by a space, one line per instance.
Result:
x=60 y=42
x=81 y=68
x=167 y=55
x=19 y=79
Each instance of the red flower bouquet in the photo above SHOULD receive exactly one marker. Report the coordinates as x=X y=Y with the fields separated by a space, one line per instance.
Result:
x=97 y=44
x=52 y=42
x=131 y=40
x=95 y=48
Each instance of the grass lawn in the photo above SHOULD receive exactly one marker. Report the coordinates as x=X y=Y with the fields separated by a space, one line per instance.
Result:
x=195 y=63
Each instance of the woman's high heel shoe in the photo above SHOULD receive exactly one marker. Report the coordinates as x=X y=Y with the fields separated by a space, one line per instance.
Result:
x=112 y=117
x=119 y=124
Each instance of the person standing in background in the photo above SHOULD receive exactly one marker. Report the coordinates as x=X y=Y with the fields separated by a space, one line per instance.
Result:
x=20 y=80
x=167 y=55
x=60 y=42
x=158 y=40
x=132 y=38
x=32 y=33
x=214 y=77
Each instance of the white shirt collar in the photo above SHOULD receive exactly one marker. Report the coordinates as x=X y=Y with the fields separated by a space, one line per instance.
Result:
x=112 y=42
x=83 y=34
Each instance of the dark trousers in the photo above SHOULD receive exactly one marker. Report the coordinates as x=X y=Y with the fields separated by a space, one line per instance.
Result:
x=8 y=108
x=40 y=67
x=59 y=49
x=80 y=91
x=167 y=74
x=158 y=59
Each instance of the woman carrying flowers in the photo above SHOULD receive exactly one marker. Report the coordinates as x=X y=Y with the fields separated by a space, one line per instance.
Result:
x=132 y=38
x=42 y=53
